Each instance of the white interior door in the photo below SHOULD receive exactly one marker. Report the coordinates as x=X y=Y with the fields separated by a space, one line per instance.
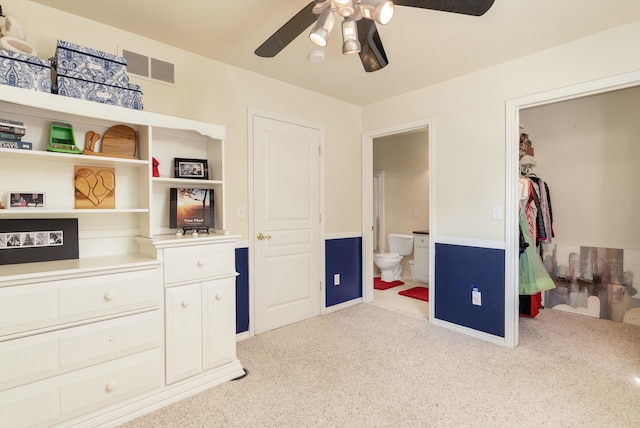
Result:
x=286 y=209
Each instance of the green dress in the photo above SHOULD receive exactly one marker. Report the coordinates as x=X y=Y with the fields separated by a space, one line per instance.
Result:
x=533 y=275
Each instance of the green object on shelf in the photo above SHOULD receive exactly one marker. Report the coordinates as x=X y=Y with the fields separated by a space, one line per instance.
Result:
x=62 y=139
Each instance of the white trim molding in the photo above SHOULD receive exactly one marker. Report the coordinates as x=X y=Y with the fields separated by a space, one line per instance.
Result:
x=342 y=235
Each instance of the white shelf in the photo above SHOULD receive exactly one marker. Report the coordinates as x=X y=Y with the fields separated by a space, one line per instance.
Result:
x=188 y=181
x=141 y=201
x=30 y=212
x=26 y=155
x=88 y=109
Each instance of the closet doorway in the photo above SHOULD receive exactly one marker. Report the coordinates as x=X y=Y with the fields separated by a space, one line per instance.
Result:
x=513 y=121
x=399 y=199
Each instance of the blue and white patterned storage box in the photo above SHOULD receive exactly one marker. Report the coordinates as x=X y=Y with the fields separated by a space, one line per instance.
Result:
x=88 y=64
x=130 y=97
x=25 y=71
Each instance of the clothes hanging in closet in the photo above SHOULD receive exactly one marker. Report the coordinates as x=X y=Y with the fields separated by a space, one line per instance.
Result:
x=535 y=228
x=544 y=219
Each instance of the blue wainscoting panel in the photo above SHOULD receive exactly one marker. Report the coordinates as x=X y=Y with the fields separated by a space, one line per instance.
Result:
x=344 y=257
x=458 y=269
x=242 y=290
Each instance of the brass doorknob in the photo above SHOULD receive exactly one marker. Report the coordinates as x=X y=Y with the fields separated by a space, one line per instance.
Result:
x=260 y=236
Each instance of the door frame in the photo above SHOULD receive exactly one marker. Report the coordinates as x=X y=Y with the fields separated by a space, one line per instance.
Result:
x=382 y=230
x=512 y=171
x=428 y=125
x=251 y=113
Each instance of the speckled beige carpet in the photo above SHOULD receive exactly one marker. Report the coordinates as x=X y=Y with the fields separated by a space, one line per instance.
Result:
x=365 y=366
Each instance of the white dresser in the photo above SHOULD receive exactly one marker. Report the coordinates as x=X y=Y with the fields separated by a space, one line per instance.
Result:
x=142 y=318
x=421 y=256
x=199 y=289
x=87 y=336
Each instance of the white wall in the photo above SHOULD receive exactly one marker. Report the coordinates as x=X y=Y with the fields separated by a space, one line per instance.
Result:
x=588 y=150
x=468 y=112
x=469 y=122
x=214 y=92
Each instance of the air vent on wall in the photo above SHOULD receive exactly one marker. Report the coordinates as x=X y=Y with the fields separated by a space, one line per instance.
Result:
x=143 y=65
x=136 y=63
x=162 y=70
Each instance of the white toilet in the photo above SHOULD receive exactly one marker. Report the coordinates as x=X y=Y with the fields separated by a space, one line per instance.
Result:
x=389 y=263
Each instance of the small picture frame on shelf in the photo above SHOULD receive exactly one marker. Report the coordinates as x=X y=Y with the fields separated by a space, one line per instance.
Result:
x=191 y=168
x=25 y=200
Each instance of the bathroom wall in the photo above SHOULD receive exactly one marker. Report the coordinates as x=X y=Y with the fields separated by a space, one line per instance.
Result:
x=405 y=160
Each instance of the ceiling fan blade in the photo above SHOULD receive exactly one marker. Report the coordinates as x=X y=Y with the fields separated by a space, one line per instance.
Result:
x=466 y=7
x=372 y=53
x=288 y=32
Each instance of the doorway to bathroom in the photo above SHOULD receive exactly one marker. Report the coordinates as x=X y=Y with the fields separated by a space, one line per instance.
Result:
x=396 y=199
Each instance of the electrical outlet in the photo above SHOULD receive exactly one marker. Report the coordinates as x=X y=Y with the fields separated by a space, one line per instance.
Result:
x=241 y=212
x=336 y=279
x=476 y=296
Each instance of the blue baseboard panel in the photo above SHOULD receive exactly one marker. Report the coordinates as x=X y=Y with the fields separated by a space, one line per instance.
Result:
x=242 y=290
x=343 y=257
x=458 y=269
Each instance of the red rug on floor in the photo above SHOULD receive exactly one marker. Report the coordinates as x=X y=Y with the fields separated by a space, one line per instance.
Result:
x=379 y=284
x=421 y=293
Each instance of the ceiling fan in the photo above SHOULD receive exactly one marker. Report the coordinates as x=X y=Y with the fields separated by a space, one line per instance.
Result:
x=359 y=32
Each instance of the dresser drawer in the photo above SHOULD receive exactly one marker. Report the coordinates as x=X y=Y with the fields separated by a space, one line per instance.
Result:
x=28 y=408
x=29 y=307
x=25 y=360
x=108 y=294
x=37 y=357
x=112 y=339
x=58 y=398
x=108 y=383
x=198 y=262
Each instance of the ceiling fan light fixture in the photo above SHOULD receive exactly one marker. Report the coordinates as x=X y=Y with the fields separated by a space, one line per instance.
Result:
x=320 y=33
x=351 y=44
x=380 y=11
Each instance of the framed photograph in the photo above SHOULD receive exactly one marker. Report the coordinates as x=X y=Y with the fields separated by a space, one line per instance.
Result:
x=191 y=168
x=38 y=240
x=191 y=209
x=22 y=200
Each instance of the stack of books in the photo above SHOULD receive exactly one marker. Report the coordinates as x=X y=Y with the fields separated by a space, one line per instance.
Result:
x=11 y=133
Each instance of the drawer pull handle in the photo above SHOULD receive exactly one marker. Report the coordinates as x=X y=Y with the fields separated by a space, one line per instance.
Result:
x=219 y=296
x=109 y=295
x=185 y=303
x=201 y=263
x=110 y=386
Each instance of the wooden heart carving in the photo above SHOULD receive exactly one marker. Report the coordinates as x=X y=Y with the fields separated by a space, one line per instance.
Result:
x=95 y=184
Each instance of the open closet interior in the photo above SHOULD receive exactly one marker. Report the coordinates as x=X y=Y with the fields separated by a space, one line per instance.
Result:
x=536 y=229
x=586 y=151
